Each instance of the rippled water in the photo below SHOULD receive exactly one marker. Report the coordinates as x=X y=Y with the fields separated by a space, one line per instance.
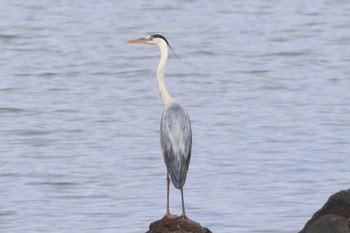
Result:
x=266 y=84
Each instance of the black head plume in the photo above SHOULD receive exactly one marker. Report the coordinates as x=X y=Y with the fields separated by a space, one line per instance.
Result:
x=162 y=37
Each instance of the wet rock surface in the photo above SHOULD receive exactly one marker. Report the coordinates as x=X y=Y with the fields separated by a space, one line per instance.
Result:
x=176 y=225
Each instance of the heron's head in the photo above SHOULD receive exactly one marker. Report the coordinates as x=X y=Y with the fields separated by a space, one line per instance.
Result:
x=155 y=39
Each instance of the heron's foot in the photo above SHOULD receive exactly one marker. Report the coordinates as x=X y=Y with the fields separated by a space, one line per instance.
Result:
x=169 y=215
x=184 y=216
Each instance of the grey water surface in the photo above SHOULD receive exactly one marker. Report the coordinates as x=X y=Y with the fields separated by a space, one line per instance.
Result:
x=266 y=85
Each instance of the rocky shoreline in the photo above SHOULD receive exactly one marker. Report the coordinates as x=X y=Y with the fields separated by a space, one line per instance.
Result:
x=333 y=217
x=176 y=225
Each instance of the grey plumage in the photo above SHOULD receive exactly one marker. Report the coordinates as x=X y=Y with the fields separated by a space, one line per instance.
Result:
x=175 y=127
x=176 y=142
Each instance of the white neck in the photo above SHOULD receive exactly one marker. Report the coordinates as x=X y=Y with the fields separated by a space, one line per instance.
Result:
x=167 y=99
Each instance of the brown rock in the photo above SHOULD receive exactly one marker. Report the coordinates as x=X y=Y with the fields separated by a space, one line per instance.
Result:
x=330 y=223
x=176 y=225
x=337 y=204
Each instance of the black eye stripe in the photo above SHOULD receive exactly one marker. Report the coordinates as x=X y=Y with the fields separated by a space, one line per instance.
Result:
x=160 y=36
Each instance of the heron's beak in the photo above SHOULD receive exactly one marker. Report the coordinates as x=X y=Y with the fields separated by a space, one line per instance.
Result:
x=138 y=41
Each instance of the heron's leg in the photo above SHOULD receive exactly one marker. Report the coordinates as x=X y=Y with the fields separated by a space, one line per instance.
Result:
x=183 y=205
x=167 y=195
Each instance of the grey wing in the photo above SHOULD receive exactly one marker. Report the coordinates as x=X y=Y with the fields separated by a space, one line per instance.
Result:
x=176 y=142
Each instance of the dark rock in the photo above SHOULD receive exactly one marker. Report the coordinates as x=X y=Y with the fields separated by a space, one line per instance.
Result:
x=176 y=225
x=337 y=204
x=330 y=223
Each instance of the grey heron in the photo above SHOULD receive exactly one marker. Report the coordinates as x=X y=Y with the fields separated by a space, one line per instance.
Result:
x=175 y=126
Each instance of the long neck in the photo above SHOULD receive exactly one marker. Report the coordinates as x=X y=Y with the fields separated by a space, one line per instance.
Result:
x=167 y=99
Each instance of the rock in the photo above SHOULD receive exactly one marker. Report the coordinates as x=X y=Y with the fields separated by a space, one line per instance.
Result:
x=337 y=204
x=176 y=225
x=330 y=223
